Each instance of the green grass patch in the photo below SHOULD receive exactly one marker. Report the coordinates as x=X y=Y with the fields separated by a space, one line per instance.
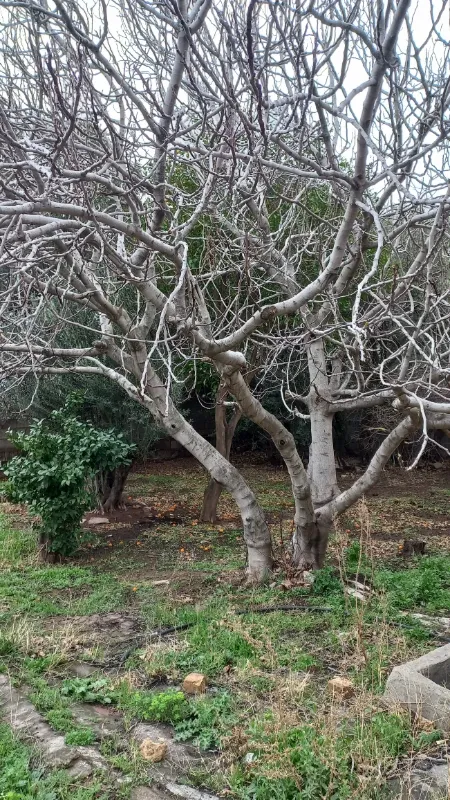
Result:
x=423 y=587
x=22 y=777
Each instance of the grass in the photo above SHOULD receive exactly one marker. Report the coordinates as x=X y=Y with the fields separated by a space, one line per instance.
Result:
x=268 y=711
x=23 y=777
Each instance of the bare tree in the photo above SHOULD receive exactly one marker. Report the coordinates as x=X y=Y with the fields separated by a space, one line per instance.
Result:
x=192 y=181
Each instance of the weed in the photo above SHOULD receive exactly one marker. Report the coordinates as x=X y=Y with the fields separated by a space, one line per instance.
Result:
x=81 y=737
x=208 y=719
x=22 y=778
x=326 y=582
x=89 y=690
x=356 y=561
x=426 y=586
x=61 y=719
x=170 y=706
x=209 y=648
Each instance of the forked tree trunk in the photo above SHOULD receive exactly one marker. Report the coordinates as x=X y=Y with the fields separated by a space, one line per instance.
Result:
x=110 y=486
x=307 y=546
x=225 y=430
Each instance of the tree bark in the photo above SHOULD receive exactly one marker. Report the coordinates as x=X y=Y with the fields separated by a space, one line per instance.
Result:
x=344 y=500
x=306 y=536
x=225 y=430
x=110 y=486
x=45 y=554
x=322 y=465
x=256 y=531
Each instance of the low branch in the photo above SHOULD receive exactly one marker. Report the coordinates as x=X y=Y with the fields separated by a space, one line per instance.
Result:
x=373 y=471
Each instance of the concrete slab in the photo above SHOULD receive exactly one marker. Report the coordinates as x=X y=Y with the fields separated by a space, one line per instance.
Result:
x=423 y=686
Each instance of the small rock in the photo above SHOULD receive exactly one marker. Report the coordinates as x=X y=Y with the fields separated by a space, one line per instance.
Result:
x=80 y=769
x=98 y=521
x=195 y=683
x=188 y=792
x=355 y=593
x=249 y=758
x=308 y=577
x=160 y=583
x=153 y=751
x=341 y=687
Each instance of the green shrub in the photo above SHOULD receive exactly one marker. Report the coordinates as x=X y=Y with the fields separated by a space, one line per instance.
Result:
x=59 y=456
x=356 y=561
x=201 y=719
x=61 y=719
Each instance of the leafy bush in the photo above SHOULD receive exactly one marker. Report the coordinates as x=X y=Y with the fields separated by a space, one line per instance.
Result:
x=202 y=719
x=60 y=454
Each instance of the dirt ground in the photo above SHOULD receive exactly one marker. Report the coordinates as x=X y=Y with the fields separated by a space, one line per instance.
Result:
x=163 y=501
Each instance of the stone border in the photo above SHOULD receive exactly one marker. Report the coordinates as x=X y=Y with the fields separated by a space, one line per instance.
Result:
x=418 y=686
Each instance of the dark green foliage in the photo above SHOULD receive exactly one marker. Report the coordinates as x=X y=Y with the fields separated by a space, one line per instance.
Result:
x=60 y=454
x=207 y=721
x=89 y=690
x=356 y=562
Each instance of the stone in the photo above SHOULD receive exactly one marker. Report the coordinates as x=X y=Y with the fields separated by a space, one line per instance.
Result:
x=181 y=758
x=341 y=688
x=98 y=521
x=422 y=686
x=147 y=793
x=153 y=751
x=188 y=793
x=80 y=669
x=29 y=725
x=425 y=784
x=105 y=721
x=357 y=594
x=194 y=683
x=80 y=769
x=161 y=583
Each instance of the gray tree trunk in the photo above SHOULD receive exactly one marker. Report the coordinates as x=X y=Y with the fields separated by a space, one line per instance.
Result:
x=322 y=465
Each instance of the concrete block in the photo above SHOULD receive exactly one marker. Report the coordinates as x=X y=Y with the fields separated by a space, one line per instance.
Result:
x=423 y=686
